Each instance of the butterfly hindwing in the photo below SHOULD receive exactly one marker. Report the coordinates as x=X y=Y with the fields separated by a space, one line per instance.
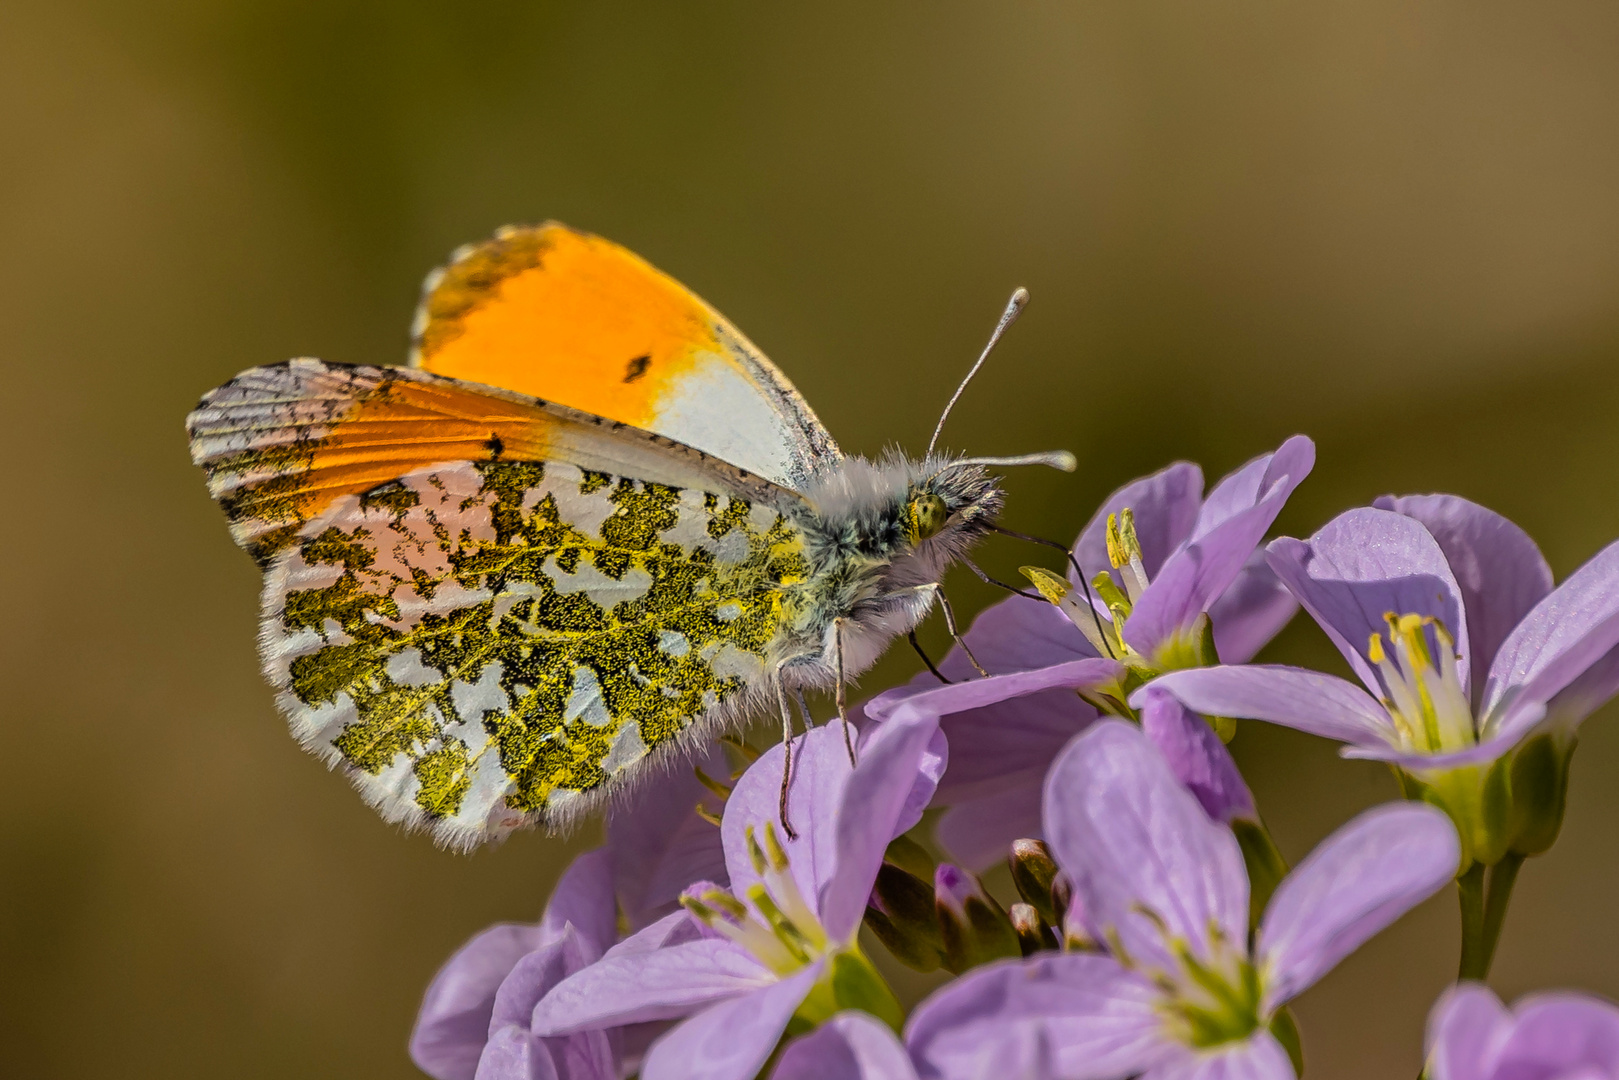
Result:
x=485 y=644
x=570 y=317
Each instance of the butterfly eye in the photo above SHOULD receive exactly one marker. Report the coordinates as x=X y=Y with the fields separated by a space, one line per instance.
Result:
x=926 y=514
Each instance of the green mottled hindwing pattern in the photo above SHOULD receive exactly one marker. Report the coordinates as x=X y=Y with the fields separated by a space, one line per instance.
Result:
x=481 y=644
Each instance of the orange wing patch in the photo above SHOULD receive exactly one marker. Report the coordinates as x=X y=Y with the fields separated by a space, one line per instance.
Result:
x=575 y=319
x=281 y=444
x=565 y=316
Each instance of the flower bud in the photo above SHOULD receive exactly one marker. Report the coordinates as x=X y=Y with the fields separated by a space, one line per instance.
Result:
x=1034 y=873
x=902 y=914
x=1033 y=932
x=975 y=928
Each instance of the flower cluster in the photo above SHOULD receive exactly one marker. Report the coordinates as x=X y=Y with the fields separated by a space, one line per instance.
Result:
x=1079 y=734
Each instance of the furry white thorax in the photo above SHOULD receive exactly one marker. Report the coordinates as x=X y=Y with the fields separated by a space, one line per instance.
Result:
x=864 y=566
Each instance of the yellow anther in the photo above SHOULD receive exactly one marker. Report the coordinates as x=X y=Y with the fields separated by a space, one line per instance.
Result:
x=725 y=902
x=1374 y=649
x=1115 y=547
x=778 y=857
x=1052 y=587
x=1127 y=535
x=756 y=854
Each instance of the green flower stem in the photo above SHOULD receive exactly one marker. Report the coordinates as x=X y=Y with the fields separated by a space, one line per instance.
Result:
x=1484 y=901
x=1470 y=891
x=1498 y=894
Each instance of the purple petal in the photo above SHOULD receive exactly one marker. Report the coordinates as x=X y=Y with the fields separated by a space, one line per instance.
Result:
x=535 y=974
x=1015 y=635
x=1165 y=505
x=820 y=773
x=1001 y=728
x=627 y=988
x=1251 y=612
x=1097 y=1020
x=1363 y=564
x=929 y=771
x=1568 y=632
x=1519 y=720
x=869 y=813
x=978 y=832
x=1258 y=1057
x=513 y=1054
x=1320 y=704
x=1227 y=532
x=587 y=1055
x=850 y=1046
x=1501 y=572
x=584 y=898
x=1587 y=693
x=1466 y=1029
x=1197 y=757
x=1356 y=882
x=675 y=928
x=1242 y=488
x=660 y=845
x=1130 y=837
x=734 y=1039
x=1561 y=1036
x=454 y=1020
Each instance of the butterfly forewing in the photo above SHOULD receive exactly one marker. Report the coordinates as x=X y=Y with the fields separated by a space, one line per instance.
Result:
x=487 y=644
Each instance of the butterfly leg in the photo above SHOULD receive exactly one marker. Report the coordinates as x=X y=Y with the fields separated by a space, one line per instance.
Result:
x=843 y=687
x=786 y=753
x=950 y=624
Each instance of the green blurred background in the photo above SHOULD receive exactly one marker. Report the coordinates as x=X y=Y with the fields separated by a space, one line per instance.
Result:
x=1391 y=225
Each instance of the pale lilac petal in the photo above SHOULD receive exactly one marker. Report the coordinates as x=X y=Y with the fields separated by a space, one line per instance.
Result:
x=1356 y=882
x=584 y=898
x=1363 y=564
x=1130 y=837
x=587 y=1055
x=1250 y=612
x=675 y=928
x=535 y=974
x=1098 y=1020
x=1241 y=488
x=978 y=832
x=820 y=773
x=1320 y=704
x=658 y=985
x=1016 y=634
x=850 y=1046
x=731 y=1040
x=1196 y=575
x=1586 y=694
x=1466 y=1029
x=1258 y=1057
x=873 y=802
x=454 y=1020
x=660 y=845
x=1569 y=631
x=1196 y=756
x=1520 y=718
x=930 y=769
x=1002 y=727
x=513 y=1054
x=1561 y=1036
x=1500 y=571
x=1165 y=506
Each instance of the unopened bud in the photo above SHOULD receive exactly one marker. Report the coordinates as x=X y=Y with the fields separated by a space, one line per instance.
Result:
x=1033 y=874
x=1539 y=792
x=902 y=914
x=975 y=928
x=1033 y=932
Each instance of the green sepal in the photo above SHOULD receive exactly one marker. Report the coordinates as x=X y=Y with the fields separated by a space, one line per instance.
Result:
x=1266 y=866
x=980 y=933
x=911 y=857
x=907 y=923
x=1539 y=791
x=850 y=983
x=1286 y=1030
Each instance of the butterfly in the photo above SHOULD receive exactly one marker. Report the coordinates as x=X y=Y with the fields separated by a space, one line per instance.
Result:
x=587 y=527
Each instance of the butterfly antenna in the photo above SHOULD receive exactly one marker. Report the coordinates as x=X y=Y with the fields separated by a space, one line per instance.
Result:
x=1014 y=307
